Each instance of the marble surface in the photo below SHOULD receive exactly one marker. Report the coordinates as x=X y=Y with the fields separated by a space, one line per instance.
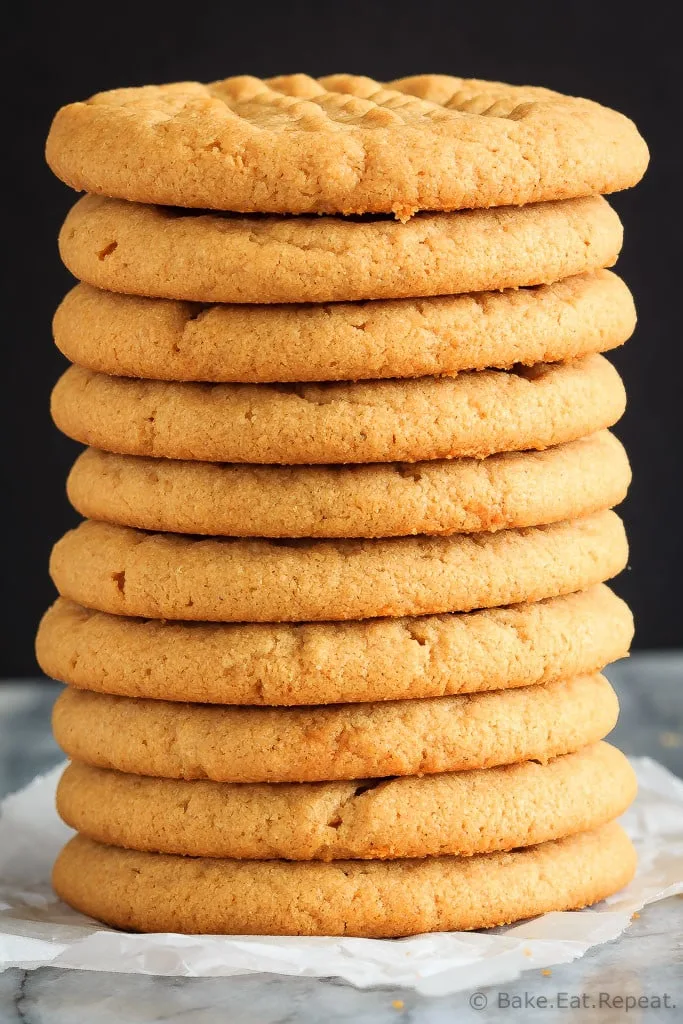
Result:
x=639 y=977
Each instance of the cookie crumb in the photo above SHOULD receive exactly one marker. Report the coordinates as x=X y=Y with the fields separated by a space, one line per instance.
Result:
x=398 y=1004
x=546 y=972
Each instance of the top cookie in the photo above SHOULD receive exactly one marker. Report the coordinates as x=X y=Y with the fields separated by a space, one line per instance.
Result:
x=343 y=144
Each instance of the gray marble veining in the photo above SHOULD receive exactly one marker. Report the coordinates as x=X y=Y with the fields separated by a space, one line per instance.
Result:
x=645 y=964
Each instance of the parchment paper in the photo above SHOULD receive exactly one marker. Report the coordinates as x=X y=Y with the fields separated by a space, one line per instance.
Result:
x=37 y=930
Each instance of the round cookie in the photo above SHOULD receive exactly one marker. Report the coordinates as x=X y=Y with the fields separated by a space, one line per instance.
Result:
x=472 y=414
x=343 y=144
x=337 y=741
x=327 y=663
x=130 y=336
x=152 y=892
x=462 y=813
x=382 y=500
x=181 y=254
x=124 y=571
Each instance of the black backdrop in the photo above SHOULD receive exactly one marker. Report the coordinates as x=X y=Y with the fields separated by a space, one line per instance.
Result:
x=629 y=59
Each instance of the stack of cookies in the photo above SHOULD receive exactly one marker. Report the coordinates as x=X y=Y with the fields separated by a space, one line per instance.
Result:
x=333 y=624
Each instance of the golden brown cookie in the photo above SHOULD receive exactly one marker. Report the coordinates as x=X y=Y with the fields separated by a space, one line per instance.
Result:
x=343 y=144
x=328 y=663
x=337 y=741
x=472 y=414
x=201 y=257
x=130 y=336
x=124 y=571
x=152 y=892
x=381 y=500
x=461 y=813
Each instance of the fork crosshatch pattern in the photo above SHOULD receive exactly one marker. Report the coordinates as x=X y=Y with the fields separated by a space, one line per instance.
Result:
x=343 y=144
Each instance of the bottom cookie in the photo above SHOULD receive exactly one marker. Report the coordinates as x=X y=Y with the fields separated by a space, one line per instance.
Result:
x=152 y=892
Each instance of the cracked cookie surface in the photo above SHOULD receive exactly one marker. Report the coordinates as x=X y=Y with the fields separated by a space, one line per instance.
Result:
x=321 y=663
x=473 y=414
x=382 y=500
x=124 y=571
x=207 y=257
x=461 y=813
x=337 y=741
x=343 y=144
x=161 y=339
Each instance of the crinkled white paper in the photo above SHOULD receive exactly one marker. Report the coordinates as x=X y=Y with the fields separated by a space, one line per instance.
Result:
x=37 y=930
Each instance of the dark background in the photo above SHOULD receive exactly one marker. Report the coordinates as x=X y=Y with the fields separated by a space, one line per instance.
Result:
x=626 y=57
